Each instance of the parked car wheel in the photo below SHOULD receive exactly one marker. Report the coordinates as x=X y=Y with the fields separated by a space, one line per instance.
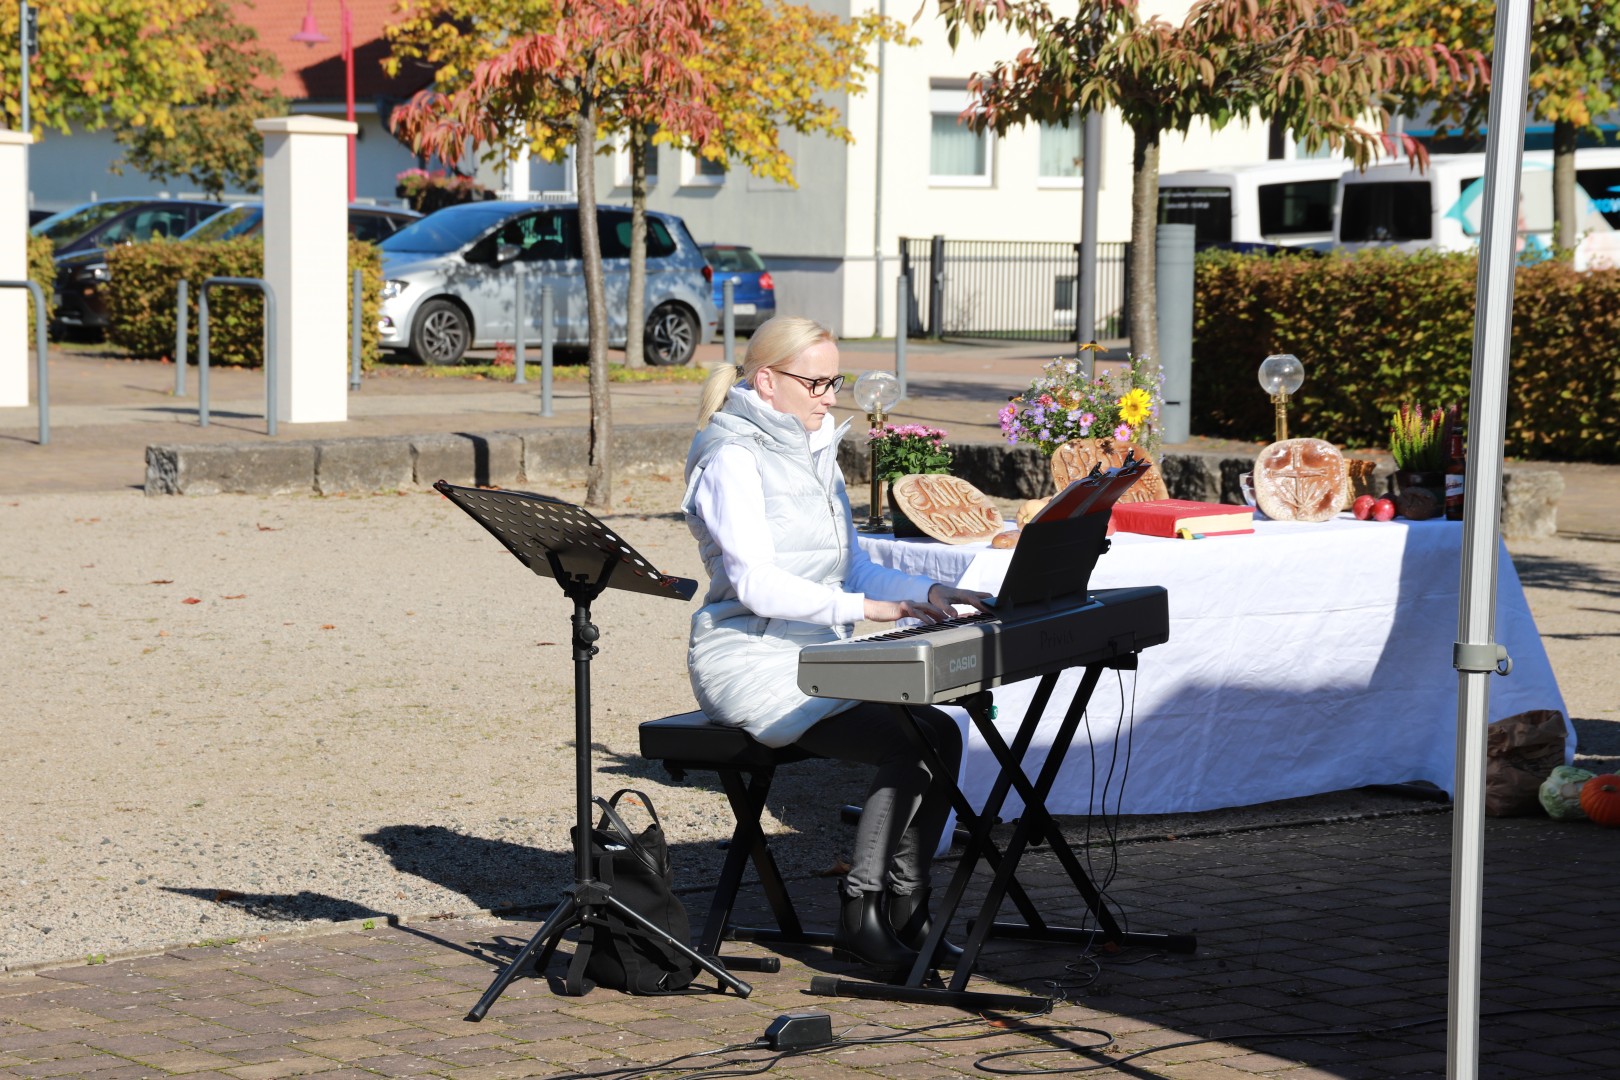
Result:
x=672 y=336
x=441 y=334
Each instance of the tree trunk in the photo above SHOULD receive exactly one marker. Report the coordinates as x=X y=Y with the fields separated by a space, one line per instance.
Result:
x=1144 y=247
x=1564 y=213
x=636 y=304
x=599 y=464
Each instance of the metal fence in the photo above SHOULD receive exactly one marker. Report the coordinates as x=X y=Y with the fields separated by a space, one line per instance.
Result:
x=1021 y=290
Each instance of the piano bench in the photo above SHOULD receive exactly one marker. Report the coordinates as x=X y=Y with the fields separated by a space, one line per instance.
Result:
x=688 y=742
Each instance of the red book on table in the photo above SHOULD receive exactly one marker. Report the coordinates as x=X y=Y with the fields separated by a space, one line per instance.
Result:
x=1163 y=517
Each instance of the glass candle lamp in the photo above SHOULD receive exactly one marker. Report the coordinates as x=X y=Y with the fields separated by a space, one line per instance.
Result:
x=876 y=392
x=1281 y=375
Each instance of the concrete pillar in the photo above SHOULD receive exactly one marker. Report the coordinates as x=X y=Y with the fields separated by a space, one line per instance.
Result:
x=1175 y=314
x=306 y=262
x=517 y=185
x=15 y=325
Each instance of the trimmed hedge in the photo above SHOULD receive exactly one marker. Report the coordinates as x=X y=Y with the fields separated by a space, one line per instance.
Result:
x=143 y=284
x=1380 y=327
x=42 y=269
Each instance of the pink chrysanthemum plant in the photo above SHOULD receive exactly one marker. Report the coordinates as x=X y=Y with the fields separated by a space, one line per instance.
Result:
x=903 y=449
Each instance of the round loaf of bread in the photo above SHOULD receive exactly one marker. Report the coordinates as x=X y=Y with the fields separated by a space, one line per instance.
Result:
x=1075 y=459
x=1005 y=539
x=1299 y=480
x=1028 y=511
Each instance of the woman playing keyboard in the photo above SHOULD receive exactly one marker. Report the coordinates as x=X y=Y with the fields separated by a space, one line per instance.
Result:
x=766 y=502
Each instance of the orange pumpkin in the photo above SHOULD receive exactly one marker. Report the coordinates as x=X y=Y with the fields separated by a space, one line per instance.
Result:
x=1600 y=800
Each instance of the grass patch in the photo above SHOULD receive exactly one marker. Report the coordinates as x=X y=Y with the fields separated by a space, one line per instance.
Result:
x=559 y=372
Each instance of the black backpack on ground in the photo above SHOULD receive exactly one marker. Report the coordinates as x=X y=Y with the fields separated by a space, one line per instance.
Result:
x=613 y=952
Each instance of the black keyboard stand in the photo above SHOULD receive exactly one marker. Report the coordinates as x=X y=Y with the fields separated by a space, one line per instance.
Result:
x=1035 y=823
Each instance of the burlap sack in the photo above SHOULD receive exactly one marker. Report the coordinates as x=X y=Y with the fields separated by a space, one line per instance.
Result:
x=1520 y=752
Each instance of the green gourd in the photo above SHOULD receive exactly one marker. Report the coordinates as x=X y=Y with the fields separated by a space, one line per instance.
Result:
x=1561 y=793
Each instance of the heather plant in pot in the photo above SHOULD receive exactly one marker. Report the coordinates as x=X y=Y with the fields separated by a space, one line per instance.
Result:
x=1417 y=442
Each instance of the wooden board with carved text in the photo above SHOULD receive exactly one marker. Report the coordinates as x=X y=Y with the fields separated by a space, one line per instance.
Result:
x=947 y=508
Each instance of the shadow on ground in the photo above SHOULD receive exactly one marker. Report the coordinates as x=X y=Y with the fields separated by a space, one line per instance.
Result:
x=283 y=907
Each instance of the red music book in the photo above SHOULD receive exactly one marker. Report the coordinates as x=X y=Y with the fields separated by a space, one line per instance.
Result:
x=1164 y=517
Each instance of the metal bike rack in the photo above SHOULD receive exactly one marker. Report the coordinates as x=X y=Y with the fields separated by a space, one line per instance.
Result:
x=181 y=312
x=355 y=294
x=40 y=358
x=269 y=346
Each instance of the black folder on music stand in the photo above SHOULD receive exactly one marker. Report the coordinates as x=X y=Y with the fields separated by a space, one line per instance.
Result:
x=562 y=541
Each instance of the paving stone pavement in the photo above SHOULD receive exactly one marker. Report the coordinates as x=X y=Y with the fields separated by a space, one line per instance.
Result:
x=1340 y=926
x=1322 y=952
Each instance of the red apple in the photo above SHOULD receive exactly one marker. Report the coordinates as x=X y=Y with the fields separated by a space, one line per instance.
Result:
x=1363 y=507
x=1383 y=510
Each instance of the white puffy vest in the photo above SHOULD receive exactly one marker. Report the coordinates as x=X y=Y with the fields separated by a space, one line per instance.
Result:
x=744 y=667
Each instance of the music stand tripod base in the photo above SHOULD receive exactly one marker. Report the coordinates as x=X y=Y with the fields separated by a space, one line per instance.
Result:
x=562 y=541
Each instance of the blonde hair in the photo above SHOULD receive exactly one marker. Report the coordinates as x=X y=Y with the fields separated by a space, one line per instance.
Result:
x=775 y=344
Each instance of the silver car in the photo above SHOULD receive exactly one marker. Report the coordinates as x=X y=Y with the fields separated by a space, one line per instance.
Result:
x=450 y=280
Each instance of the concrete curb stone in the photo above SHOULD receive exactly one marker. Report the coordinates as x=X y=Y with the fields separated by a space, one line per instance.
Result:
x=363 y=465
x=1529 y=496
x=286 y=468
x=493 y=460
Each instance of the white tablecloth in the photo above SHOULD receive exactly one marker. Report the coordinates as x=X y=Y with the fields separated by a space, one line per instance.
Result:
x=1302 y=659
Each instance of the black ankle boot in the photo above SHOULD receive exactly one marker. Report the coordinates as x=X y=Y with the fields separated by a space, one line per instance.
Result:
x=909 y=917
x=863 y=934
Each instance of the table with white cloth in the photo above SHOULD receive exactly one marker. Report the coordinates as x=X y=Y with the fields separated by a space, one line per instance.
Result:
x=1303 y=658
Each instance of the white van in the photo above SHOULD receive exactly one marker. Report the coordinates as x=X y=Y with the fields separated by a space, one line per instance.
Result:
x=1439 y=207
x=1287 y=203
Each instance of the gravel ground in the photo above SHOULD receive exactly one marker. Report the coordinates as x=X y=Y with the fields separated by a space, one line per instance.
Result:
x=240 y=715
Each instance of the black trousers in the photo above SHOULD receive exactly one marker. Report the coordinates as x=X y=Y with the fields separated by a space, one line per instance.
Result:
x=906 y=807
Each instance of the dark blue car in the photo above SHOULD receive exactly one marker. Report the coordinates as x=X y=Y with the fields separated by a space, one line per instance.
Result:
x=754 y=293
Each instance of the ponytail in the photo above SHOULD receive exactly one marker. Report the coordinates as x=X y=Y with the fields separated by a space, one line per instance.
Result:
x=715 y=388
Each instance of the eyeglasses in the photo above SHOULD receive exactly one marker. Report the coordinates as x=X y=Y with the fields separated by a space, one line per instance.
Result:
x=817 y=387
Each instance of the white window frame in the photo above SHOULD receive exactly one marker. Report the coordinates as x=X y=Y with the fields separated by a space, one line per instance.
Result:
x=621 y=162
x=1077 y=125
x=948 y=97
x=691 y=177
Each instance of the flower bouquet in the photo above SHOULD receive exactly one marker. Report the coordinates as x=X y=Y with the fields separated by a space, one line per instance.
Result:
x=1062 y=405
x=902 y=451
x=1079 y=423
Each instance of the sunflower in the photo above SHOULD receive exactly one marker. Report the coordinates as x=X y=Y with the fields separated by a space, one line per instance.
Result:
x=1134 y=406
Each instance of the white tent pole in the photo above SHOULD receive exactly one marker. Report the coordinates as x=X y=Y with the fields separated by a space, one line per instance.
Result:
x=1475 y=654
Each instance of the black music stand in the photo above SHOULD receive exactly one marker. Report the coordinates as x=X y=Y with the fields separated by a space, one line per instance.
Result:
x=1054 y=560
x=562 y=541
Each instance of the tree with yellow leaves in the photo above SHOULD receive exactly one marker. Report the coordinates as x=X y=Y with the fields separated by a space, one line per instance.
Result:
x=1574 y=54
x=173 y=78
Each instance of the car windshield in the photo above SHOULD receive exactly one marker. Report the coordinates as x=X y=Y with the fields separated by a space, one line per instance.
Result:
x=69 y=225
x=450 y=229
x=236 y=221
x=733 y=260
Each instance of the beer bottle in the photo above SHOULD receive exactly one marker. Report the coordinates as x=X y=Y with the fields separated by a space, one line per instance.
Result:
x=1456 y=468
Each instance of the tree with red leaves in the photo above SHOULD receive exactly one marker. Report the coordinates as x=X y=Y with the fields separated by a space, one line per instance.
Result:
x=595 y=64
x=1300 y=62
